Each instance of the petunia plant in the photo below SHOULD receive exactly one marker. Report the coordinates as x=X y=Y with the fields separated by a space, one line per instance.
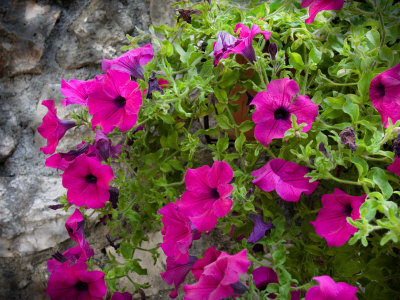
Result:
x=275 y=124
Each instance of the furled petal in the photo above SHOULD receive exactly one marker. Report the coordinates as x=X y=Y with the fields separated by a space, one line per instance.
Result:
x=260 y=228
x=328 y=289
x=319 y=5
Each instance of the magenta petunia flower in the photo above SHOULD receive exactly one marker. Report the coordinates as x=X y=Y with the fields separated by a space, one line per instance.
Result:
x=227 y=43
x=319 y=5
x=263 y=276
x=328 y=289
x=61 y=161
x=75 y=226
x=384 y=93
x=71 y=255
x=130 y=62
x=75 y=282
x=218 y=277
x=395 y=166
x=244 y=46
x=176 y=273
x=115 y=102
x=121 y=296
x=178 y=233
x=206 y=197
x=286 y=178
x=76 y=91
x=331 y=222
x=259 y=229
x=87 y=181
x=210 y=256
x=103 y=148
x=275 y=106
x=52 y=128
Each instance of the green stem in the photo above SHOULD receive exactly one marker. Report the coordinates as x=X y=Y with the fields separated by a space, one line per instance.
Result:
x=330 y=176
x=338 y=84
x=382 y=25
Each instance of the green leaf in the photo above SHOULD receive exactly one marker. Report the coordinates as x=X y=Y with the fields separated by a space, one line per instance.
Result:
x=206 y=69
x=223 y=144
x=364 y=83
x=126 y=250
x=379 y=177
x=361 y=165
x=351 y=109
x=223 y=121
x=315 y=55
x=246 y=126
x=239 y=143
x=221 y=95
x=373 y=37
x=296 y=61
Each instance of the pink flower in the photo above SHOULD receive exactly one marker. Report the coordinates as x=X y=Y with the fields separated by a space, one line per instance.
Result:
x=76 y=91
x=75 y=282
x=331 y=222
x=275 y=106
x=176 y=273
x=121 y=296
x=71 y=255
x=328 y=289
x=178 y=233
x=384 y=92
x=52 y=128
x=130 y=62
x=210 y=256
x=263 y=276
x=245 y=41
x=87 y=181
x=115 y=102
x=286 y=178
x=61 y=161
x=319 y=5
x=75 y=226
x=217 y=278
x=206 y=197
x=227 y=43
x=103 y=148
x=395 y=166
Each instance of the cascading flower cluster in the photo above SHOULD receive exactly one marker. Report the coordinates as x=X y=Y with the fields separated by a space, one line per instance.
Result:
x=113 y=100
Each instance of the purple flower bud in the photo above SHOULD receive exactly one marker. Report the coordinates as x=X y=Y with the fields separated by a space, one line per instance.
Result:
x=272 y=49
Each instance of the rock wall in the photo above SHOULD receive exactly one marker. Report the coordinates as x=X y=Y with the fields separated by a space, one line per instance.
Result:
x=42 y=42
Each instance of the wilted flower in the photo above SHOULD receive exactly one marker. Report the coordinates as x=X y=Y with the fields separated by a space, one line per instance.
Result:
x=384 y=93
x=130 y=62
x=71 y=255
x=52 y=128
x=103 y=148
x=76 y=91
x=319 y=5
x=61 y=161
x=348 y=137
x=259 y=229
x=328 y=289
x=115 y=102
x=186 y=14
x=286 y=178
x=224 y=42
x=155 y=85
x=87 y=181
x=75 y=226
x=178 y=233
x=206 y=197
x=75 y=282
x=176 y=273
x=275 y=106
x=331 y=222
x=216 y=280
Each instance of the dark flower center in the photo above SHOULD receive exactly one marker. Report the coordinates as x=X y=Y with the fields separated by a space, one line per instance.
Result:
x=348 y=209
x=281 y=113
x=214 y=193
x=91 y=178
x=81 y=286
x=120 y=101
x=381 y=89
